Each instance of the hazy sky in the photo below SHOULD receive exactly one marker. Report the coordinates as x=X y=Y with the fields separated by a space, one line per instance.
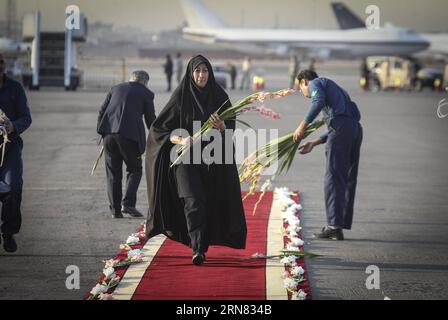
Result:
x=155 y=15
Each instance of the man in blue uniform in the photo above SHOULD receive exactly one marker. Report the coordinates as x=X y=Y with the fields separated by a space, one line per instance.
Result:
x=343 y=143
x=15 y=119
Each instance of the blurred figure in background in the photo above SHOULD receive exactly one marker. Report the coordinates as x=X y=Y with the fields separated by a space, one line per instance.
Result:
x=246 y=69
x=384 y=75
x=179 y=67
x=406 y=76
x=412 y=73
x=168 y=69
x=445 y=76
x=121 y=126
x=364 y=75
x=312 y=66
x=293 y=70
x=231 y=70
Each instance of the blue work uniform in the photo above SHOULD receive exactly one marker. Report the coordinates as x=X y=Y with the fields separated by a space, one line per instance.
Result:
x=13 y=103
x=343 y=143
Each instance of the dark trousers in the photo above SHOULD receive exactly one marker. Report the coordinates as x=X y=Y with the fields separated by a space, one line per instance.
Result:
x=192 y=183
x=233 y=82
x=11 y=174
x=342 y=153
x=168 y=80
x=118 y=150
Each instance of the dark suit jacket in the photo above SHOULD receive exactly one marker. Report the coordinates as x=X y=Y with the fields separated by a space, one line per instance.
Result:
x=122 y=112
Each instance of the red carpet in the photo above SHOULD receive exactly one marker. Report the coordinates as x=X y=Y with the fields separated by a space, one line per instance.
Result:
x=228 y=274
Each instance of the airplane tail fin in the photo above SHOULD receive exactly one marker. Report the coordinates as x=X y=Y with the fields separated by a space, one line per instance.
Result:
x=199 y=16
x=346 y=18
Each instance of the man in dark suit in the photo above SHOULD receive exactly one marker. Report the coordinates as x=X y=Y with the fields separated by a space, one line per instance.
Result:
x=121 y=126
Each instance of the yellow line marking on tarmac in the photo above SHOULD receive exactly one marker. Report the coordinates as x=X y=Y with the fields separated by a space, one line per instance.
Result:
x=131 y=279
x=274 y=268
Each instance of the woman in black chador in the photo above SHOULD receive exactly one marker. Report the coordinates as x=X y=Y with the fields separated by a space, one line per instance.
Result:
x=195 y=204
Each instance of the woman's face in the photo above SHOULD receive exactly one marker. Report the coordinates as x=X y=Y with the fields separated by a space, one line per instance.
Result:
x=200 y=75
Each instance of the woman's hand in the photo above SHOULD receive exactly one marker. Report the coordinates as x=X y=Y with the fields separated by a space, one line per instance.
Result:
x=217 y=123
x=187 y=141
x=183 y=141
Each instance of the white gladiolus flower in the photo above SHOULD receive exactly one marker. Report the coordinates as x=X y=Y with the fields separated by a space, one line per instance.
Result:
x=132 y=240
x=134 y=252
x=300 y=295
x=295 y=207
x=287 y=202
x=290 y=284
x=293 y=221
x=296 y=271
x=290 y=213
x=288 y=259
x=137 y=258
x=291 y=229
x=282 y=191
x=108 y=272
x=297 y=242
x=266 y=186
x=105 y=296
x=292 y=218
x=291 y=247
x=293 y=234
x=98 y=289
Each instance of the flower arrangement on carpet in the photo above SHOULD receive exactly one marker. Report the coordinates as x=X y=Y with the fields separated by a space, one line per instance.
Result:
x=109 y=279
x=293 y=251
x=294 y=274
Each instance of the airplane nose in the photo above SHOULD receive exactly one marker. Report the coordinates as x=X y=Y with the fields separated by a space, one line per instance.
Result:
x=425 y=44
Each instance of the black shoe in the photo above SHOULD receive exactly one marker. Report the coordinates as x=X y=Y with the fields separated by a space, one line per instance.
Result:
x=198 y=259
x=133 y=212
x=9 y=244
x=329 y=233
x=117 y=215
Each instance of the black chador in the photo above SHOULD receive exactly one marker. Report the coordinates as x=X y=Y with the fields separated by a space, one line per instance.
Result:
x=195 y=204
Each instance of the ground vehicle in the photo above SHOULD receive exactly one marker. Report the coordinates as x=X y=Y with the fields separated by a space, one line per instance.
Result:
x=258 y=80
x=385 y=73
x=430 y=78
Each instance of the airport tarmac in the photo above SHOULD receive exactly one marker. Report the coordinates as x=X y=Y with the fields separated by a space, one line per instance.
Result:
x=400 y=223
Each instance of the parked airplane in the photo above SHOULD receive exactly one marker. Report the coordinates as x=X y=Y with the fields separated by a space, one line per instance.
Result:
x=205 y=26
x=348 y=21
